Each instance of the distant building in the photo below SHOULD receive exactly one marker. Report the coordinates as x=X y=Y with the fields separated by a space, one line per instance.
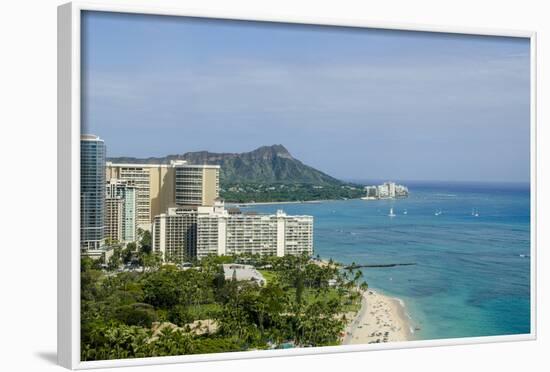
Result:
x=213 y=230
x=92 y=192
x=401 y=191
x=388 y=190
x=163 y=186
x=372 y=191
x=384 y=191
x=120 y=216
x=391 y=188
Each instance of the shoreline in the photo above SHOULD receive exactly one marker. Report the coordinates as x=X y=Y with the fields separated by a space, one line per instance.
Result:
x=317 y=201
x=381 y=319
x=249 y=204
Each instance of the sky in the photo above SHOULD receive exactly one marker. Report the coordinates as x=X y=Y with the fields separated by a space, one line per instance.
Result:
x=354 y=103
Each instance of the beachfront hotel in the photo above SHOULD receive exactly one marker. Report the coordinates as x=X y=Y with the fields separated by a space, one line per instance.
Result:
x=222 y=233
x=179 y=203
x=213 y=230
x=92 y=192
x=388 y=190
x=163 y=186
x=120 y=211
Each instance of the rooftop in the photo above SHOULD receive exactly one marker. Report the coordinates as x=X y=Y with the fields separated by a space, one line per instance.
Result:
x=90 y=137
x=243 y=273
x=173 y=164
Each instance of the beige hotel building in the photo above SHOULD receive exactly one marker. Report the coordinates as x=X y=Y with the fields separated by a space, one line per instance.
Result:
x=163 y=186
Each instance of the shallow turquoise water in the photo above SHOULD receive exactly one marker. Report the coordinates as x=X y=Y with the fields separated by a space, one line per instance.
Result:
x=472 y=274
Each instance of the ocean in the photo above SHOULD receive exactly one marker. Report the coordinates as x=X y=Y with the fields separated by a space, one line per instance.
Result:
x=470 y=244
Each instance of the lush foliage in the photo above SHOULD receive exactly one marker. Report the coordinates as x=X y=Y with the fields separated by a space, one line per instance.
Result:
x=303 y=303
x=279 y=192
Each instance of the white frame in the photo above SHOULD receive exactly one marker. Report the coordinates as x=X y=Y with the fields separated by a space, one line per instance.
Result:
x=68 y=321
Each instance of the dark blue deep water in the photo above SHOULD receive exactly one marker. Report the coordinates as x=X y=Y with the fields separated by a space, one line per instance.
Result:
x=472 y=273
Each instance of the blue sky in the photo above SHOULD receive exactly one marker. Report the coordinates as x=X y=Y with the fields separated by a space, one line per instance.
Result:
x=355 y=103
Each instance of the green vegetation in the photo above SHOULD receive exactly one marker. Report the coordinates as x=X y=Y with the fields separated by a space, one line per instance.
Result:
x=269 y=275
x=155 y=311
x=281 y=192
x=144 y=240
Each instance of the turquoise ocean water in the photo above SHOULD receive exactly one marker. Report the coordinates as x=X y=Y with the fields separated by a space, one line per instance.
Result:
x=472 y=273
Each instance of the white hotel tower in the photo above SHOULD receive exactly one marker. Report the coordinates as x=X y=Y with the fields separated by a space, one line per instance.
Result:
x=215 y=231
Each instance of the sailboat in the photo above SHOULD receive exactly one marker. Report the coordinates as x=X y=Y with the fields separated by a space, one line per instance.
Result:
x=391 y=213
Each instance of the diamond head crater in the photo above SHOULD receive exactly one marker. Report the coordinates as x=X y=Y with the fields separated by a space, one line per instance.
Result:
x=266 y=174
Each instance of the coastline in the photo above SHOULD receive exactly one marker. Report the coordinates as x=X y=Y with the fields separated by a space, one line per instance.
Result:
x=319 y=201
x=316 y=201
x=381 y=319
x=250 y=204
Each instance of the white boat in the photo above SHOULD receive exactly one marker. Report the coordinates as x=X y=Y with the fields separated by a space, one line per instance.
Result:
x=405 y=211
x=391 y=213
x=475 y=213
x=438 y=212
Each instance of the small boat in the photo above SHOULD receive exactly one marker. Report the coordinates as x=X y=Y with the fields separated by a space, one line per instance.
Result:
x=391 y=213
x=475 y=213
x=405 y=211
x=438 y=212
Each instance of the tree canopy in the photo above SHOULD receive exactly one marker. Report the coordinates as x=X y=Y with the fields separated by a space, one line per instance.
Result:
x=122 y=311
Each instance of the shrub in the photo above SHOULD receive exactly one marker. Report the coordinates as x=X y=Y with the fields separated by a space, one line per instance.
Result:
x=137 y=314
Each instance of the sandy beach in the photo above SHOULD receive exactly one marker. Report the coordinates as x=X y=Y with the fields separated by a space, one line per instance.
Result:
x=380 y=319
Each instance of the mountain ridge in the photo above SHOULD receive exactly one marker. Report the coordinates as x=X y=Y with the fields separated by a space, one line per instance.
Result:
x=265 y=164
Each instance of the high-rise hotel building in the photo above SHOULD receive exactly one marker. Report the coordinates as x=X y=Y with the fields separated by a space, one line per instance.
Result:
x=163 y=186
x=279 y=234
x=147 y=180
x=196 y=185
x=214 y=231
x=92 y=192
x=174 y=234
x=120 y=211
x=113 y=218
